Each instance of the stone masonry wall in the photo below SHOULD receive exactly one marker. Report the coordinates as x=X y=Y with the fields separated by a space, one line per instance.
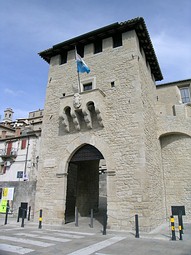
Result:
x=154 y=203
x=176 y=152
x=125 y=140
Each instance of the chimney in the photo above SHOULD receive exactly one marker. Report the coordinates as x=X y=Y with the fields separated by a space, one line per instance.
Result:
x=18 y=131
x=3 y=134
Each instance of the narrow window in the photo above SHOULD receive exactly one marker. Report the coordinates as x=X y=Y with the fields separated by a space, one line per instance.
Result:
x=23 y=144
x=63 y=57
x=80 y=50
x=112 y=84
x=87 y=86
x=117 y=40
x=185 y=94
x=97 y=46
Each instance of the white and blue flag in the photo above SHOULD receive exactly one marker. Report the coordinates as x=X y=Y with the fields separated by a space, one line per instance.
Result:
x=81 y=65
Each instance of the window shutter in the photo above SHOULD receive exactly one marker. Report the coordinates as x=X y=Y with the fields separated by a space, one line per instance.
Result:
x=9 y=147
x=23 y=144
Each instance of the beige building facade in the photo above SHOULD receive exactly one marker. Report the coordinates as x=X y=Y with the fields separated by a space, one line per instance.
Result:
x=174 y=131
x=105 y=144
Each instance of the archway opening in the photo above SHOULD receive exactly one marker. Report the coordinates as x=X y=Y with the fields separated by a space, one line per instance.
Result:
x=86 y=184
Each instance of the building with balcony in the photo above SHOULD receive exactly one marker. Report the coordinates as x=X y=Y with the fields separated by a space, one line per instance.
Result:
x=108 y=136
x=19 y=156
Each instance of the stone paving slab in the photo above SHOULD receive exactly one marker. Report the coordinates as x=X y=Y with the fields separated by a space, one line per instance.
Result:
x=94 y=242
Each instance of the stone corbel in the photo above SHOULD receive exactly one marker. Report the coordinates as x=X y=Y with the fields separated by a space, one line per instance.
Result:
x=87 y=117
x=99 y=117
x=65 y=122
x=75 y=120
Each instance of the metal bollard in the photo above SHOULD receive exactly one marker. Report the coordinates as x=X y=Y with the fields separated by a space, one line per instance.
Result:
x=91 y=218
x=6 y=215
x=29 y=213
x=104 y=223
x=23 y=217
x=76 y=216
x=18 y=214
x=136 y=226
x=180 y=232
x=172 y=228
x=180 y=221
x=40 y=219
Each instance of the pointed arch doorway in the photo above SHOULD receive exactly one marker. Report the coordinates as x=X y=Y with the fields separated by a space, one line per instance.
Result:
x=86 y=184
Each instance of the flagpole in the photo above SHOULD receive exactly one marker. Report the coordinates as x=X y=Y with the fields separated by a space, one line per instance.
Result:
x=79 y=90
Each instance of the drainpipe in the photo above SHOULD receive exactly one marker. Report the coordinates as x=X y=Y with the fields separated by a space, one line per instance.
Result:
x=25 y=169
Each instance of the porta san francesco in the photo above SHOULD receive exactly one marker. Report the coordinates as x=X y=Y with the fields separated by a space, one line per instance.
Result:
x=113 y=140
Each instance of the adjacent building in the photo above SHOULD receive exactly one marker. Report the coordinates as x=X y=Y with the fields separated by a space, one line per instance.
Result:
x=19 y=154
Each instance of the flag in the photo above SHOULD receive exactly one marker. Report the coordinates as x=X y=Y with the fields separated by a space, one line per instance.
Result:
x=81 y=65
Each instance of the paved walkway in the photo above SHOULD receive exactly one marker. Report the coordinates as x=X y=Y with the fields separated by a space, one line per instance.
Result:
x=83 y=240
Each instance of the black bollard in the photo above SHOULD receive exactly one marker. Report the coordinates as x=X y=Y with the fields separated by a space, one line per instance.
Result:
x=180 y=232
x=172 y=228
x=180 y=221
x=180 y=225
x=6 y=215
x=23 y=217
x=18 y=214
x=76 y=216
x=91 y=218
x=136 y=226
x=104 y=223
x=40 y=219
x=29 y=213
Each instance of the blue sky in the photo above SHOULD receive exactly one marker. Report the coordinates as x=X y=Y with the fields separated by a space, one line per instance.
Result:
x=29 y=27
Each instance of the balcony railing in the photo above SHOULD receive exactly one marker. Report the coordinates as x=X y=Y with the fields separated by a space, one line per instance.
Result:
x=11 y=154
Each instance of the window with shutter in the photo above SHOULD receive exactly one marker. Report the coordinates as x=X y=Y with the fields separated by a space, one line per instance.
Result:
x=23 y=144
x=9 y=147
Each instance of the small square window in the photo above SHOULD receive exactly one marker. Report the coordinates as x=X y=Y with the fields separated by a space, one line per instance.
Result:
x=87 y=86
x=112 y=84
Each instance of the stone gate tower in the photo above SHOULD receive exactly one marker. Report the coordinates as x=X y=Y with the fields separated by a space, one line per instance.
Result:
x=106 y=116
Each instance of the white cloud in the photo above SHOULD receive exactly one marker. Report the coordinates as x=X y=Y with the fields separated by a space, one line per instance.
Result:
x=13 y=92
